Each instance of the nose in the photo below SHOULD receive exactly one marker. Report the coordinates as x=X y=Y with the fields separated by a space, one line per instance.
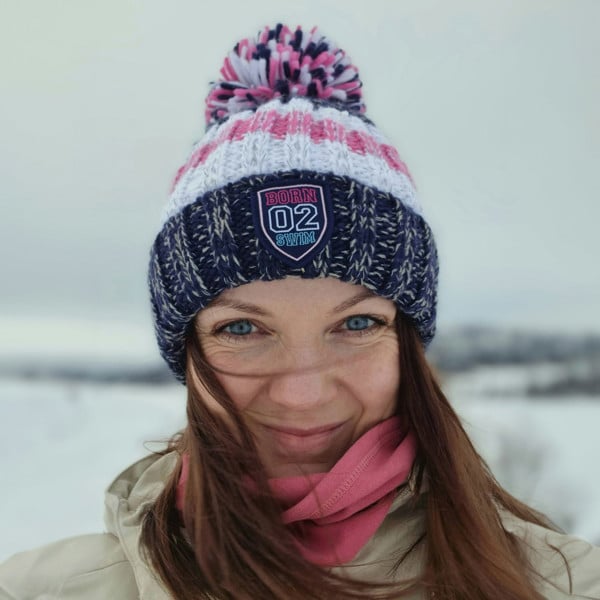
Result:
x=304 y=382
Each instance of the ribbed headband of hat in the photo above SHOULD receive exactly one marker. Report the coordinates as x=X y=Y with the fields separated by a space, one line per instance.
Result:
x=289 y=179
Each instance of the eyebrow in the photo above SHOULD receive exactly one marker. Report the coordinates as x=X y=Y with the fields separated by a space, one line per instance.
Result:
x=248 y=307
x=350 y=302
x=242 y=306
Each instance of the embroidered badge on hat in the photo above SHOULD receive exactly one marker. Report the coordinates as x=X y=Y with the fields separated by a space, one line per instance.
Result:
x=293 y=220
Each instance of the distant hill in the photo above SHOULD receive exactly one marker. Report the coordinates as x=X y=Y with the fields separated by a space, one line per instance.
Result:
x=464 y=348
x=551 y=365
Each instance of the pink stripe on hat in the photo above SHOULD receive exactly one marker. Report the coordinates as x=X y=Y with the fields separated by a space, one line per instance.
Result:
x=295 y=123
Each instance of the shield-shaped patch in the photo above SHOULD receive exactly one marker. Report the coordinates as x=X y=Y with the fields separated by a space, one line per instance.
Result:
x=293 y=219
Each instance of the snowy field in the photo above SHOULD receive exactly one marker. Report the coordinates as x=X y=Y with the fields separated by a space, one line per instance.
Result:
x=544 y=450
x=62 y=443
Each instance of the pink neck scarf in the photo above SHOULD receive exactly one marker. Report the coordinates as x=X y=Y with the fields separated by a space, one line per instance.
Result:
x=339 y=511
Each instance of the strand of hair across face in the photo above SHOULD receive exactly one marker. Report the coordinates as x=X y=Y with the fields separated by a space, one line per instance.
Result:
x=240 y=549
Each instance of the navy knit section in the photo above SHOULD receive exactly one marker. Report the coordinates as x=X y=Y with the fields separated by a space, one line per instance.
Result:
x=211 y=246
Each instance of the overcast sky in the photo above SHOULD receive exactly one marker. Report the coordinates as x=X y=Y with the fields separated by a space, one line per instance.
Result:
x=492 y=104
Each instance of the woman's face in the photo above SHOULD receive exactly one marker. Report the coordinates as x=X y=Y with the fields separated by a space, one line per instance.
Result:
x=312 y=364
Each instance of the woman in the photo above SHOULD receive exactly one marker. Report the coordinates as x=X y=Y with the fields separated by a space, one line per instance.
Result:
x=293 y=288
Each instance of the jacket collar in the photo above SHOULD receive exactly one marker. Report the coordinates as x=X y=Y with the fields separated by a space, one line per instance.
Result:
x=127 y=500
x=132 y=493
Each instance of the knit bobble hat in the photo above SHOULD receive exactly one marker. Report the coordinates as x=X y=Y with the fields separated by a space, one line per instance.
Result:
x=290 y=178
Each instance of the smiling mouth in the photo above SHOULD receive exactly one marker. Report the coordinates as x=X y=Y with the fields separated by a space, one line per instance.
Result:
x=304 y=432
x=300 y=443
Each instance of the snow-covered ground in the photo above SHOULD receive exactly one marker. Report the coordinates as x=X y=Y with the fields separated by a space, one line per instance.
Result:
x=544 y=450
x=61 y=443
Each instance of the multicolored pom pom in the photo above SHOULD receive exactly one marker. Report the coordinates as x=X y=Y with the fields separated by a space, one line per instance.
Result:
x=281 y=63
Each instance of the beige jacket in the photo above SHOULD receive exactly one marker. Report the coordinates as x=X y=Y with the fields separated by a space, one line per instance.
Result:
x=109 y=566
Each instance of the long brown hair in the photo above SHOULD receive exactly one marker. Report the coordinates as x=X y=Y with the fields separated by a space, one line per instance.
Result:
x=234 y=545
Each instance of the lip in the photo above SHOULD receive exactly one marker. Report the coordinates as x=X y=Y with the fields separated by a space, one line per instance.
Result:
x=300 y=443
x=305 y=432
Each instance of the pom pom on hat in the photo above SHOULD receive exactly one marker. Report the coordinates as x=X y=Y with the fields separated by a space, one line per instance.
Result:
x=286 y=64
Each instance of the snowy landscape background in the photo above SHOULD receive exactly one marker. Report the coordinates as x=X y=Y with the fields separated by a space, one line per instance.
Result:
x=494 y=107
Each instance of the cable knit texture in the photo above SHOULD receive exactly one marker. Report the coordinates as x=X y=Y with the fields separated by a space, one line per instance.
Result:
x=212 y=245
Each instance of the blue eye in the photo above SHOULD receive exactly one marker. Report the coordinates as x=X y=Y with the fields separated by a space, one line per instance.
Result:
x=241 y=327
x=359 y=322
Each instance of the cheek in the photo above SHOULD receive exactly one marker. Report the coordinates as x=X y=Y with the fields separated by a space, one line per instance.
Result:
x=241 y=390
x=376 y=381
x=207 y=398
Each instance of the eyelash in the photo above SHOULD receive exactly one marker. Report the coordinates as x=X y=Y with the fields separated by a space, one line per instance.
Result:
x=220 y=332
x=378 y=323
